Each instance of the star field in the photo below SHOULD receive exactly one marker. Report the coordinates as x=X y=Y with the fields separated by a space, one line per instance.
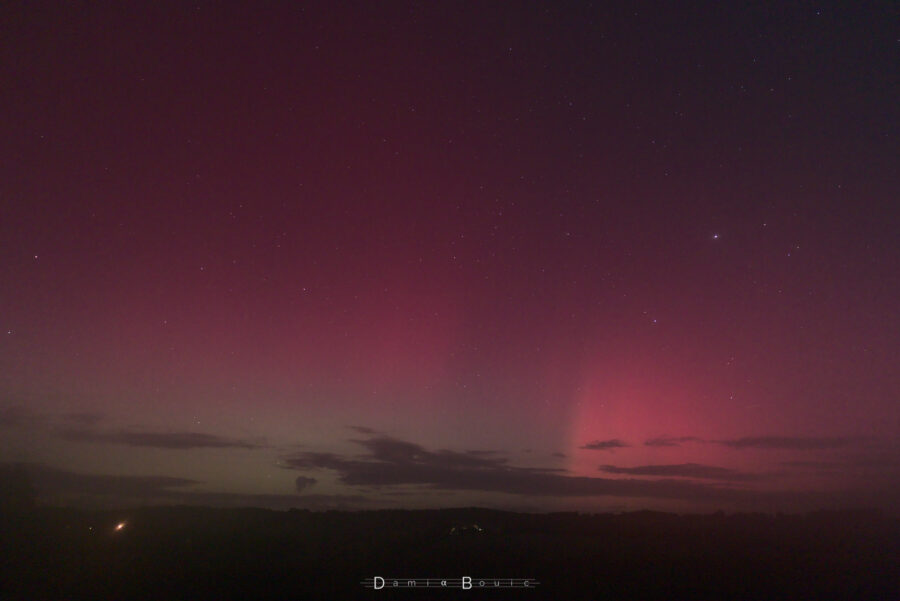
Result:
x=466 y=255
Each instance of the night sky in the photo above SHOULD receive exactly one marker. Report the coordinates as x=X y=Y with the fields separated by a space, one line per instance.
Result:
x=515 y=255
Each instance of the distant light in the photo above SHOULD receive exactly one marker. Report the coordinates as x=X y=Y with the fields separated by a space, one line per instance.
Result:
x=715 y=236
x=120 y=526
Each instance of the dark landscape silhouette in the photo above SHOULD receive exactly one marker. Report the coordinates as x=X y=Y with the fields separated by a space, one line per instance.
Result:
x=183 y=552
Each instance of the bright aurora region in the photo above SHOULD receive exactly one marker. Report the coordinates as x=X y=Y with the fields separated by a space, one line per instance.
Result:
x=537 y=256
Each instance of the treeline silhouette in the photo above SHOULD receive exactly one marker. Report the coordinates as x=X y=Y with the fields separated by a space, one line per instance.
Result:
x=195 y=553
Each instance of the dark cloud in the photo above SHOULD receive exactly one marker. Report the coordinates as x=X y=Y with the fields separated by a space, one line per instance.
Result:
x=605 y=445
x=414 y=492
x=316 y=502
x=309 y=460
x=53 y=481
x=276 y=501
x=84 y=418
x=399 y=451
x=789 y=443
x=77 y=427
x=363 y=429
x=58 y=486
x=819 y=465
x=302 y=483
x=20 y=416
x=683 y=470
x=670 y=441
x=875 y=461
x=391 y=463
x=880 y=459
x=562 y=455
x=161 y=440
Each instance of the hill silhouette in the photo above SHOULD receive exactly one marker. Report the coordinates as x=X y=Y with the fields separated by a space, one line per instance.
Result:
x=208 y=553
